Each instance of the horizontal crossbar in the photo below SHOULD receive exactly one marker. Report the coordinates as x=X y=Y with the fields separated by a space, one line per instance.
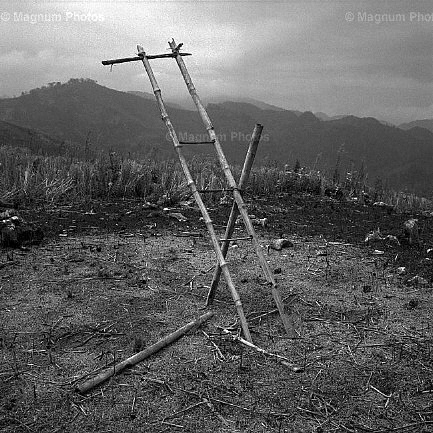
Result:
x=197 y=142
x=203 y=191
x=246 y=238
x=134 y=59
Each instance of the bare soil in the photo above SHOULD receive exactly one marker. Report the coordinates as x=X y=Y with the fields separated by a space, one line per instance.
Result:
x=112 y=278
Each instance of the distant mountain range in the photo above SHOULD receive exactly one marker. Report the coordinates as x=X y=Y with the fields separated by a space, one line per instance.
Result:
x=151 y=96
x=425 y=123
x=81 y=111
x=323 y=116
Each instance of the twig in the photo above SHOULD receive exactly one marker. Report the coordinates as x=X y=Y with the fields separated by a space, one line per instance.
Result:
x=380 y=392
x=404 y=427
x=293 y=296
x=311 y=412
x=215 y=346
x=281 y=359
x=246 y=409
x=182 y=411
x=214 y=411
x=195 y=276
x=19 y=422
x=172 y=425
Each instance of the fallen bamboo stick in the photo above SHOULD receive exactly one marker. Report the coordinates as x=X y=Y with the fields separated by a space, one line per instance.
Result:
x=140 y=356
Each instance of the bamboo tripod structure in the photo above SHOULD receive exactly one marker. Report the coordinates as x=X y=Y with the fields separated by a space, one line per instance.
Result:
x=238 y=207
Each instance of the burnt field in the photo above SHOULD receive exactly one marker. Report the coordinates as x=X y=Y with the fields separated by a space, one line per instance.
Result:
x=110 y=279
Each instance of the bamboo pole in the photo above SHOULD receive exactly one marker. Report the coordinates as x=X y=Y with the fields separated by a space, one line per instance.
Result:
x=196 y=194
x=140 y=356
x=249 y=159
x=134 y=59
x=287 y=321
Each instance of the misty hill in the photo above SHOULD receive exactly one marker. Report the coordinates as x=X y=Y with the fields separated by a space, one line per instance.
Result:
x=151 y=96
x=187 y=104
x=81 y=110
x=244 y=100
x=326 y=118
x=35 y=141
x=323 y=116
x=425 y=123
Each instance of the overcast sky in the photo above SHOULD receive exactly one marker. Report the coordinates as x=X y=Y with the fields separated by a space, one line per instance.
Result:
x=304 y=55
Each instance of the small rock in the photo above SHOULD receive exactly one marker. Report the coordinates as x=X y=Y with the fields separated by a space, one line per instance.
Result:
x=401 y=270
x=411 y=231
x=417 y=281
x=373 y=236
x=260 y=222
x=384 y=205
x=225 y=200
x=378 y=252
x=178 y=216
x=15 y=232
x=321 y=253
x=278 y=271
x=279 y=244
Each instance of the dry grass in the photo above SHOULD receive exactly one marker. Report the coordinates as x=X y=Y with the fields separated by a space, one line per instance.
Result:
x=27 y=178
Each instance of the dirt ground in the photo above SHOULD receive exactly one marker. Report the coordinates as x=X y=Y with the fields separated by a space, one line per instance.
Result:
x=113 y=278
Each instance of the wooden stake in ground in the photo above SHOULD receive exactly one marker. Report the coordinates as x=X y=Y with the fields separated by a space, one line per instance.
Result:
x=140 y=356
x=246 y=169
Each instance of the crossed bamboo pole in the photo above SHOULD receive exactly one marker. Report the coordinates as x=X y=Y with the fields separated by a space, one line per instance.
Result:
x=196 y=194
x=287 y=321
x=238 y=207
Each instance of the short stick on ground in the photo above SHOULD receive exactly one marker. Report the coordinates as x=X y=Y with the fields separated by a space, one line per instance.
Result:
x=140 y=356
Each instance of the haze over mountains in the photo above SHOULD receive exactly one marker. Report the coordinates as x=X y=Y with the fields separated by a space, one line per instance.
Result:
x=81 y=111
x=425 y=123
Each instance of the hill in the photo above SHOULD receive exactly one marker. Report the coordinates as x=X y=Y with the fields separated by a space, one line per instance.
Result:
x=425 y=123
x=150 y=96
x=81 y=111
x=323 y=116
x=35 y=141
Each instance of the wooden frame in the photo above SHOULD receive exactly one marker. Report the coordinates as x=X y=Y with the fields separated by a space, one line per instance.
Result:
x=238 y=207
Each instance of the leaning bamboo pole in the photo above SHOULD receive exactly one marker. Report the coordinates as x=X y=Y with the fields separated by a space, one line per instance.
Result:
x=287 y=320
x=246 y=169
x=140 y=356
x=196 y=194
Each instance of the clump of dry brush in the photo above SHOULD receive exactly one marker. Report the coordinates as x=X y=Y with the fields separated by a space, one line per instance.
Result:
x=31 y=179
